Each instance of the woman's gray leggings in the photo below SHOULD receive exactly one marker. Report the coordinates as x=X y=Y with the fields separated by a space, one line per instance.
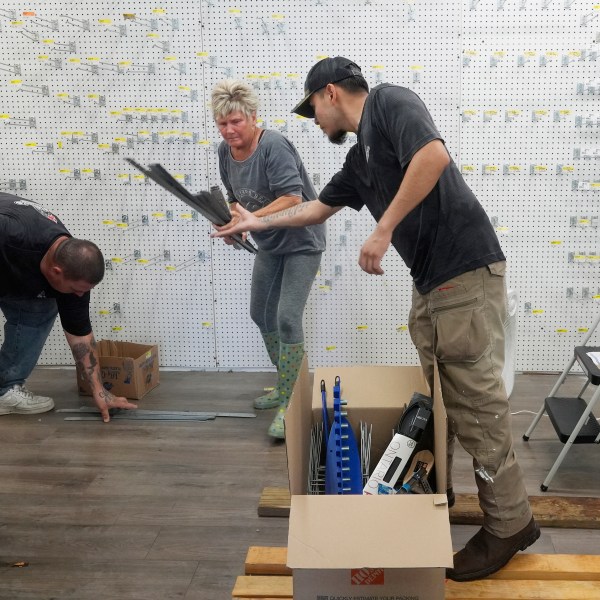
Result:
x=280 y=287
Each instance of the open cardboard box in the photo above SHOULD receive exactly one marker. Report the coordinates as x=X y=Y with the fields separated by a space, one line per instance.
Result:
x=127 y=369
x=378 y=547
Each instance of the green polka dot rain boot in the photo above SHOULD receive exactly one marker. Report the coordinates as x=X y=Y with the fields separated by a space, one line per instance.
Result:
x=271 y=399
x=290 y=359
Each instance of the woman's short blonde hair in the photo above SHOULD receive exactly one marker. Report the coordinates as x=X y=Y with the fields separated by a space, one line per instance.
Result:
x=231 y=95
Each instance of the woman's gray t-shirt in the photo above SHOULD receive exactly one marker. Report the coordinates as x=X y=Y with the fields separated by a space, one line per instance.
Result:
x=274 y=169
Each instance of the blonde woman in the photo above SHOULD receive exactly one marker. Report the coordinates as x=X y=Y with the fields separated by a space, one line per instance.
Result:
x=262 y=171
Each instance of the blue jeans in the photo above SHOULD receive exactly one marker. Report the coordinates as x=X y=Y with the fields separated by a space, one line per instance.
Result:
x=28 y=324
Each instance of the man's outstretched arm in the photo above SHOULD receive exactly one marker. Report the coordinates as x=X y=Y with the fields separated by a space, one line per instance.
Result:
x=301 y=215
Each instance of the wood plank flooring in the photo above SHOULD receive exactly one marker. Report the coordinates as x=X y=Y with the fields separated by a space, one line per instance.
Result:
x=144 y=511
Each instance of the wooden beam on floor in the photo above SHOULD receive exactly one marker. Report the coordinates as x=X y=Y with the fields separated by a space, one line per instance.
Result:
x=550 y=511
x=526 y=577
x=268 y=560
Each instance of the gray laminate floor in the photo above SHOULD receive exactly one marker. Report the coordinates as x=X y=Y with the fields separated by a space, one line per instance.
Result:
x=161 y=511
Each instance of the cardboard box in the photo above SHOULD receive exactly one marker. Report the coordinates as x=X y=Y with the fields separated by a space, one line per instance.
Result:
x=361 y=546
x=128 y=369
x=375 y=547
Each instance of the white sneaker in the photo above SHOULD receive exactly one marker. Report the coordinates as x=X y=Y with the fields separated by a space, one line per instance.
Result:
x=21 y=401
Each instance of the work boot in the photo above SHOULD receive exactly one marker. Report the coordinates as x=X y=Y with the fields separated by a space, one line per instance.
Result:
x=290 y=359
x=271 y=399
x=485 y=553
x=21 y=401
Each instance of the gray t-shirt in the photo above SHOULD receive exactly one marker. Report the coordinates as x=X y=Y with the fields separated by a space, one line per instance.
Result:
x=448 y=233
x=274 y=169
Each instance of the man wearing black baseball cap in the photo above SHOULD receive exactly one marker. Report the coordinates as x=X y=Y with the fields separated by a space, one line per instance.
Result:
x=401 y=171
x=328 y=70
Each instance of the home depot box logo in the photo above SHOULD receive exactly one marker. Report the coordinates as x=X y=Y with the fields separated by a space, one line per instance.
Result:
x=367 y=576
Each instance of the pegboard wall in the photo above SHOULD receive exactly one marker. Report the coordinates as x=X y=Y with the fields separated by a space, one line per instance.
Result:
x=513 y=86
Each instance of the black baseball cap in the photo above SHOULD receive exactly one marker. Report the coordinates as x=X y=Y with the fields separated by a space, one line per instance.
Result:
x=328 y=70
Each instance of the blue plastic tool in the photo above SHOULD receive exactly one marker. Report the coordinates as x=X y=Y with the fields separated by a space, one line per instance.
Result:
x=342 y=469
x=325 y=415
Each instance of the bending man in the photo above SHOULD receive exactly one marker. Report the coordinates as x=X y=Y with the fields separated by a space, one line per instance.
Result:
x=45 y=272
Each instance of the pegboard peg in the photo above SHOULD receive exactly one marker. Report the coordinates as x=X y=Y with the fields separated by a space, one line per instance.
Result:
x=11 y=184
x=264 y=26
x=34 y=36
x=10 y=68
x=588 y=18
x=83 y=24
x=21 y=122
x=9 y=14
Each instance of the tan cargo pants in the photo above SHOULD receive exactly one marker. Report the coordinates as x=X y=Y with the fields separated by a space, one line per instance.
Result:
x=462 y=323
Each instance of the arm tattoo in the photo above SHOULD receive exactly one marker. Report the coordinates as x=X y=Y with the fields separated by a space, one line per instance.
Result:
x=286 y=212
x=80 y=351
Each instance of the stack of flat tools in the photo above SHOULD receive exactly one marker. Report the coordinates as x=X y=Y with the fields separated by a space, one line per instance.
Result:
x=211 y=205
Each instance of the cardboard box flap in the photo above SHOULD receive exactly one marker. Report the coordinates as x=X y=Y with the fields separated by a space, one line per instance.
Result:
x=297 y=423
x=352 y=532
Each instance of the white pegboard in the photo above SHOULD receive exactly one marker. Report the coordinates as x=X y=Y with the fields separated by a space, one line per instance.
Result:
x=83 y=86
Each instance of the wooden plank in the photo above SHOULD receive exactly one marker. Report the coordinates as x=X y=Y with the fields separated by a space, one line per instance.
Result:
x=490 y=589
x=564 y=567
x=280 y=588
x=550 y=511
x=274 y=502
x=262 y=560
x=257 y=586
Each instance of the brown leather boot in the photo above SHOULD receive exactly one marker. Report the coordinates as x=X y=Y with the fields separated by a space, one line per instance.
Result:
x=485 y=553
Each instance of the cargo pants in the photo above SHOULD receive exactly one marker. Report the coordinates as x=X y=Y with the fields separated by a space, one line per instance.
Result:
x=461 y=323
